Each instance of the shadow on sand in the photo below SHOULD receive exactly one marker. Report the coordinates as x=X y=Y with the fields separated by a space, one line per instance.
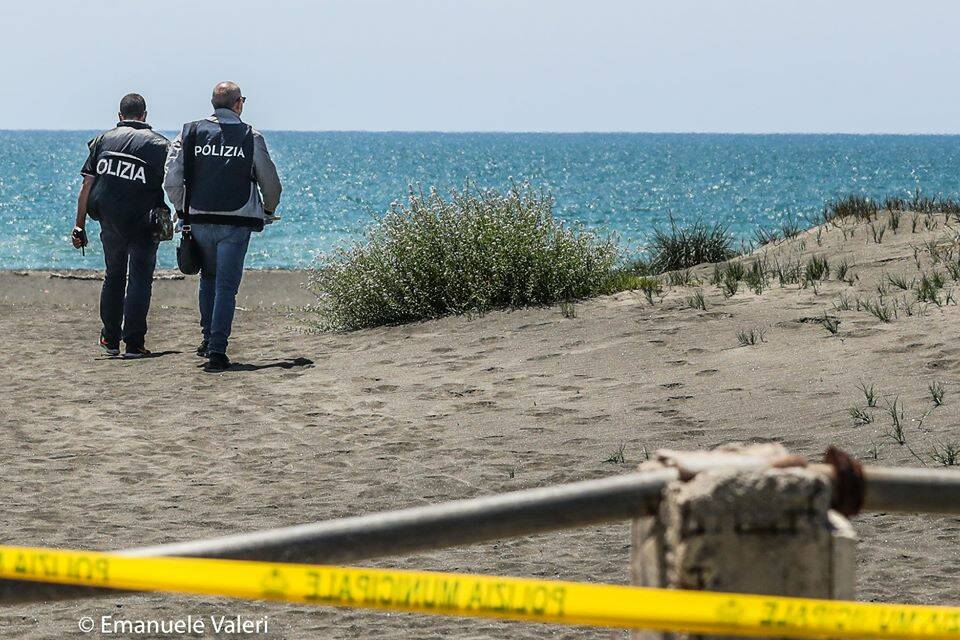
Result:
x=154 y=354
x=280 y=364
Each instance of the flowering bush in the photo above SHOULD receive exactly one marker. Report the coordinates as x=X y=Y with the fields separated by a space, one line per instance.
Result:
x=472 y=252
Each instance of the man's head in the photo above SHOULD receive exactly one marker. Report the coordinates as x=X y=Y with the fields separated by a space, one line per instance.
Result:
x=227 y=95
x=133 y=107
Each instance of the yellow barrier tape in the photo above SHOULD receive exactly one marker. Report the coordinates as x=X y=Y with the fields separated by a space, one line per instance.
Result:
x=486 y=596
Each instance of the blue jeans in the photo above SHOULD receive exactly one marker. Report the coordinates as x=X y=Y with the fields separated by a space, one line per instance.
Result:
x=223 y=248
x=124 y=305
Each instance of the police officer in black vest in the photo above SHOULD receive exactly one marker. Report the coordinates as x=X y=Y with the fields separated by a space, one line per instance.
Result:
x=122 y=184
x=223 y=184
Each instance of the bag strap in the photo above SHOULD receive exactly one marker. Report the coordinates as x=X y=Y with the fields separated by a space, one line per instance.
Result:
x=187 y=147
x=253 y=147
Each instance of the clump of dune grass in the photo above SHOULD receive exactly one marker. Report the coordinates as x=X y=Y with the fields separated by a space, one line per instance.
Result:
x=818 y=268
x=676 y=248
x=751 y=337
x=869 y=394
x=618 y=457
x=900 y=281
x=929 y=286
x=650 y=287
x=879 y=309
x=895 y=432
x=681 y=278
x=474 y=251
x=947 y=455
x=790 y=228
x=625 y=276
x=842 y=303
x=697 y=301
x=787 y=272
x=937 y=392
x=860 y=416
x=842 y=270
x=922 y=204
x=863 y=208
x=756 y=277
x=894 y=220
x=763 y=236
x=830 y=323
x=856 y=207
x=729 y=285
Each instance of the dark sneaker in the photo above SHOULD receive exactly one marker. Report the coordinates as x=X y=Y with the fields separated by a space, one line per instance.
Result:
x=218 y=362
x=132 y=353
x=112 y=349
x=203 y=349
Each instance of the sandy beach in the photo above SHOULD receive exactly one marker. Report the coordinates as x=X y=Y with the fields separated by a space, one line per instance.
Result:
x=102 y=453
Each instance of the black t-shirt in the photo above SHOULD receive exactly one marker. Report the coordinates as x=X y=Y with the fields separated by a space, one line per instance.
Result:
x=127 y=164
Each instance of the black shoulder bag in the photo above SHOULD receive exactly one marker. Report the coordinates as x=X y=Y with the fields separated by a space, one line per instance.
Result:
x=188 y=253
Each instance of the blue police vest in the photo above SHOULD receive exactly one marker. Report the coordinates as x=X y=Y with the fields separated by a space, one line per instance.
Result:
x=127 y=163
x=222 y=169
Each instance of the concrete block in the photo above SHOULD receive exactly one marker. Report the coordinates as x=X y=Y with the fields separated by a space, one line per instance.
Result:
x=747 y=526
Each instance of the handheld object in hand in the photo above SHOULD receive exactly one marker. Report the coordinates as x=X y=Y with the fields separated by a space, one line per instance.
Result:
x=81 y=234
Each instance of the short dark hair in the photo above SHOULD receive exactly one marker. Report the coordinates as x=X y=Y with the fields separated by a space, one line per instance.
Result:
x=225 y=95
x=133 y=106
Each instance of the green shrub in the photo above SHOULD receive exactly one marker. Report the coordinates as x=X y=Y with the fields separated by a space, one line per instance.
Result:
x=684 y=247
x=472 y=252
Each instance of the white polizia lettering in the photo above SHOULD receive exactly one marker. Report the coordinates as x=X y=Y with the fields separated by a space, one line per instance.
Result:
x=225 y=151
x=121 y=169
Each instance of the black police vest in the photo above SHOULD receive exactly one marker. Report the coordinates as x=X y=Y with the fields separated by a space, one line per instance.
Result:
x=128 y=166
x=222 y=171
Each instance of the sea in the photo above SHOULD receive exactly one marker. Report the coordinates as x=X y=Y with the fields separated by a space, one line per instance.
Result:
x=626 y=184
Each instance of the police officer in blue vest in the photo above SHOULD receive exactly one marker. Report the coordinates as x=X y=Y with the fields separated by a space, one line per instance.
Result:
x=122 y=185
x=229 y=190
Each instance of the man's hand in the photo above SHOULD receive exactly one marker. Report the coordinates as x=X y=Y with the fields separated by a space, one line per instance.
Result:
x=79 y=237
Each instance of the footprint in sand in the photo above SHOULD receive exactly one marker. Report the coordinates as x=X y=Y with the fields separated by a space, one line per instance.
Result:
x=545 y=356
x=383 y=388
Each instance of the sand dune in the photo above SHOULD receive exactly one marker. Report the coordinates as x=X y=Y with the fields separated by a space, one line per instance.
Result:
x=102 y=453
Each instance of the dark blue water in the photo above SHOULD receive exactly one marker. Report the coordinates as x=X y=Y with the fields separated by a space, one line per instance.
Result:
x=335 y=183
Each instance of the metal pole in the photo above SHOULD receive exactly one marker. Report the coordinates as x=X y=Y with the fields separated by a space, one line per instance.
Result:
x=912 y=490
x=461 y=522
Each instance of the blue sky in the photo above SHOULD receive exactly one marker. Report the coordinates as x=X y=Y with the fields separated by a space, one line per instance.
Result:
x=491 y=65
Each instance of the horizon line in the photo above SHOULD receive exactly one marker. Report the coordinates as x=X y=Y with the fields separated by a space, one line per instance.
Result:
x=536 y=132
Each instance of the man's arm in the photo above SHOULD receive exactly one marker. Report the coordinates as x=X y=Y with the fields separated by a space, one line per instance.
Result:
x=82 y=199
x=265 y=173
x=89 y=173
x=173 y=174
